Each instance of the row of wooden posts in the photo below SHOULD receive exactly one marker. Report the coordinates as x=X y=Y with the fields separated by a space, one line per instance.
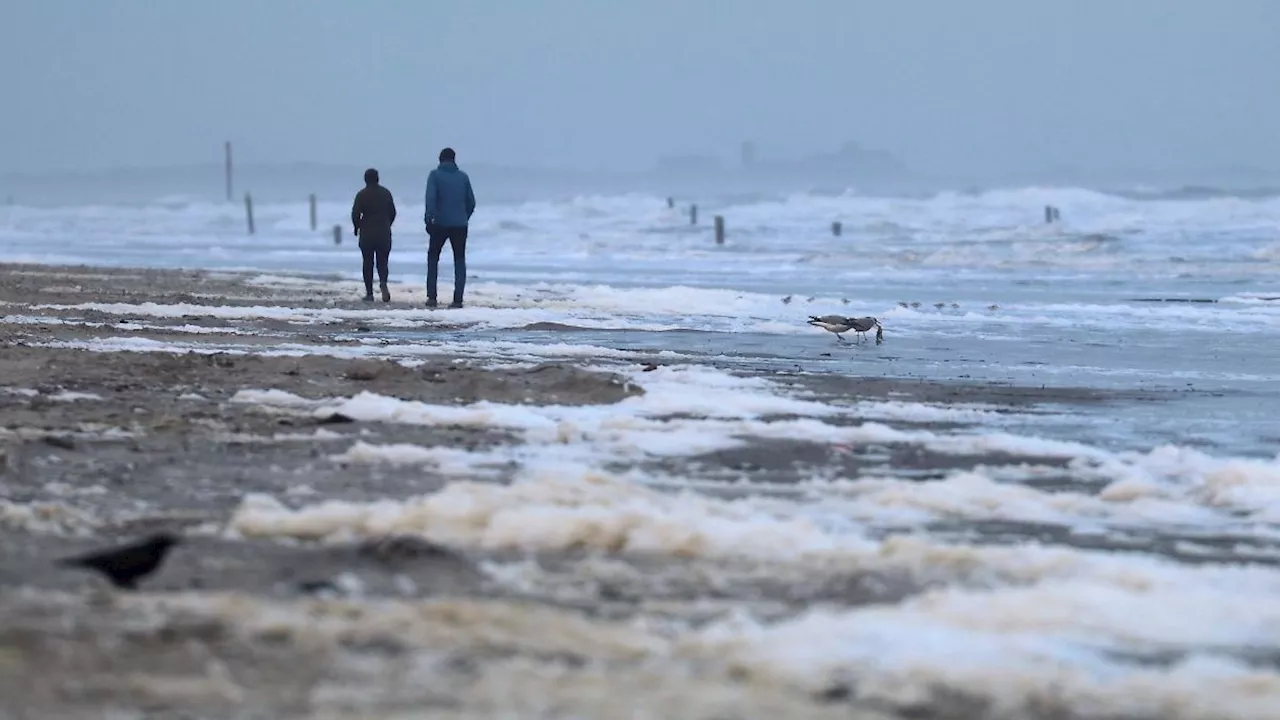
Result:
x=837 y=227
x=248 y=202
x=1051 y=213
x=248 y=214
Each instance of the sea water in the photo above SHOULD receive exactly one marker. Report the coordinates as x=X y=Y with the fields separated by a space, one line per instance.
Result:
x=1173 y=295
x=1168 y=302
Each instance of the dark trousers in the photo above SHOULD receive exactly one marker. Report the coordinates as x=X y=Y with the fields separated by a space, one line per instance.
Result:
x=375 y=252
x=457 y=237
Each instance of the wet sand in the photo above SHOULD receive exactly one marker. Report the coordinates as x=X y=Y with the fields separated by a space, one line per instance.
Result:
x=100 y=447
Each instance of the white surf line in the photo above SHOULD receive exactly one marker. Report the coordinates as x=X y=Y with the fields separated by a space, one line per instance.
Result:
x=446 y=460
x=299 y=315
x=60 y=396
x=70 y=396
x=504 y=317
x=36 y=320
x=368 y=348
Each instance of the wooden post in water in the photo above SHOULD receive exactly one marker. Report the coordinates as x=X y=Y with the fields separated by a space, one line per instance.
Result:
x=671 y=203
x=837 y=228
x=248 y=211
x=337 y=234
x=313 y=212
x=228 y=170
x=719 y=229
x=693 y=214
x=1048 y=213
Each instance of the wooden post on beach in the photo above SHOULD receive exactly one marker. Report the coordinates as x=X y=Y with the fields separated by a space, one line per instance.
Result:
x=313 y=212
x=693 y=214
x=719 y=229
x=248 y=211
x=228 y=170
x=337 y=234
x=837 y=228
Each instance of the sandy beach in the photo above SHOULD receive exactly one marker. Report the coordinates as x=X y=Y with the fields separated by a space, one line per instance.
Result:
x=432 y=600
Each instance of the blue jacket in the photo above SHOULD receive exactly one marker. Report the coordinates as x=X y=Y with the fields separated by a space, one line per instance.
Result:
x=450 y=200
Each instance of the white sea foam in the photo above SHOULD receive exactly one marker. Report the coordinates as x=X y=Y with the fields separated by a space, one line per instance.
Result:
x=368 y=348
x=129 y=326
x=446 y=460
x=1049 y=646
x=46 y=517
x=1167 y=486
x=1043 y=617
x=70 y=396
x=690 y=410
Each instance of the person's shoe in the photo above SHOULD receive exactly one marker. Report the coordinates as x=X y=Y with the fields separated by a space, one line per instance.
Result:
x=456 y=304
x=368 y=298
x=386 y=294
x=431 y=303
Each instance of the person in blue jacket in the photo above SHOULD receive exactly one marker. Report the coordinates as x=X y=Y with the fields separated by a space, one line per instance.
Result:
x=450 y=203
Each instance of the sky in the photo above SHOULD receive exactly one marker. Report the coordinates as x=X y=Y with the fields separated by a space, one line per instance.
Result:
x=947 y=85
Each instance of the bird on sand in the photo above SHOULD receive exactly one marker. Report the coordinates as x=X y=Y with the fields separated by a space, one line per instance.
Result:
x=839 y=324
x=124 y=566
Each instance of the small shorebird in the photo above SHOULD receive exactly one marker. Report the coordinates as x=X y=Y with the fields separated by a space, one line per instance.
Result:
x=840 y=324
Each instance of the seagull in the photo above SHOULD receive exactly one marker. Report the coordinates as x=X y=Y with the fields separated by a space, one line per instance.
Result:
x=839 y=324
x=864 y=324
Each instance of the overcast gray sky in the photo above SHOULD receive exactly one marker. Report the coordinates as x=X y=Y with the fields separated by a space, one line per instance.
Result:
x=946 y=84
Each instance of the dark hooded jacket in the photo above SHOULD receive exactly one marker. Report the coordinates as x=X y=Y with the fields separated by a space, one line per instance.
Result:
x=372 y=214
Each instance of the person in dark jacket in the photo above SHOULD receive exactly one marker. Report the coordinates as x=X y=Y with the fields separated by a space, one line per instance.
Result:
x=372 y=214
x=450 y=203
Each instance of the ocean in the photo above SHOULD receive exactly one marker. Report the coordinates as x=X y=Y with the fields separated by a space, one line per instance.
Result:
x=1167 y=305
x=1177 y=295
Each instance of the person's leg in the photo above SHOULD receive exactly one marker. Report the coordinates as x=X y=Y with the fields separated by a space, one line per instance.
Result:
x=367 y=252
x=435 y=245
x=458 y=242
x=383 y=256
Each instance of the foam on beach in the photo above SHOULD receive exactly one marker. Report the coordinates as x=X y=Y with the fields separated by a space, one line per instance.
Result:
x=688 y=410
x=1051 y=648
x=1045 y=616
